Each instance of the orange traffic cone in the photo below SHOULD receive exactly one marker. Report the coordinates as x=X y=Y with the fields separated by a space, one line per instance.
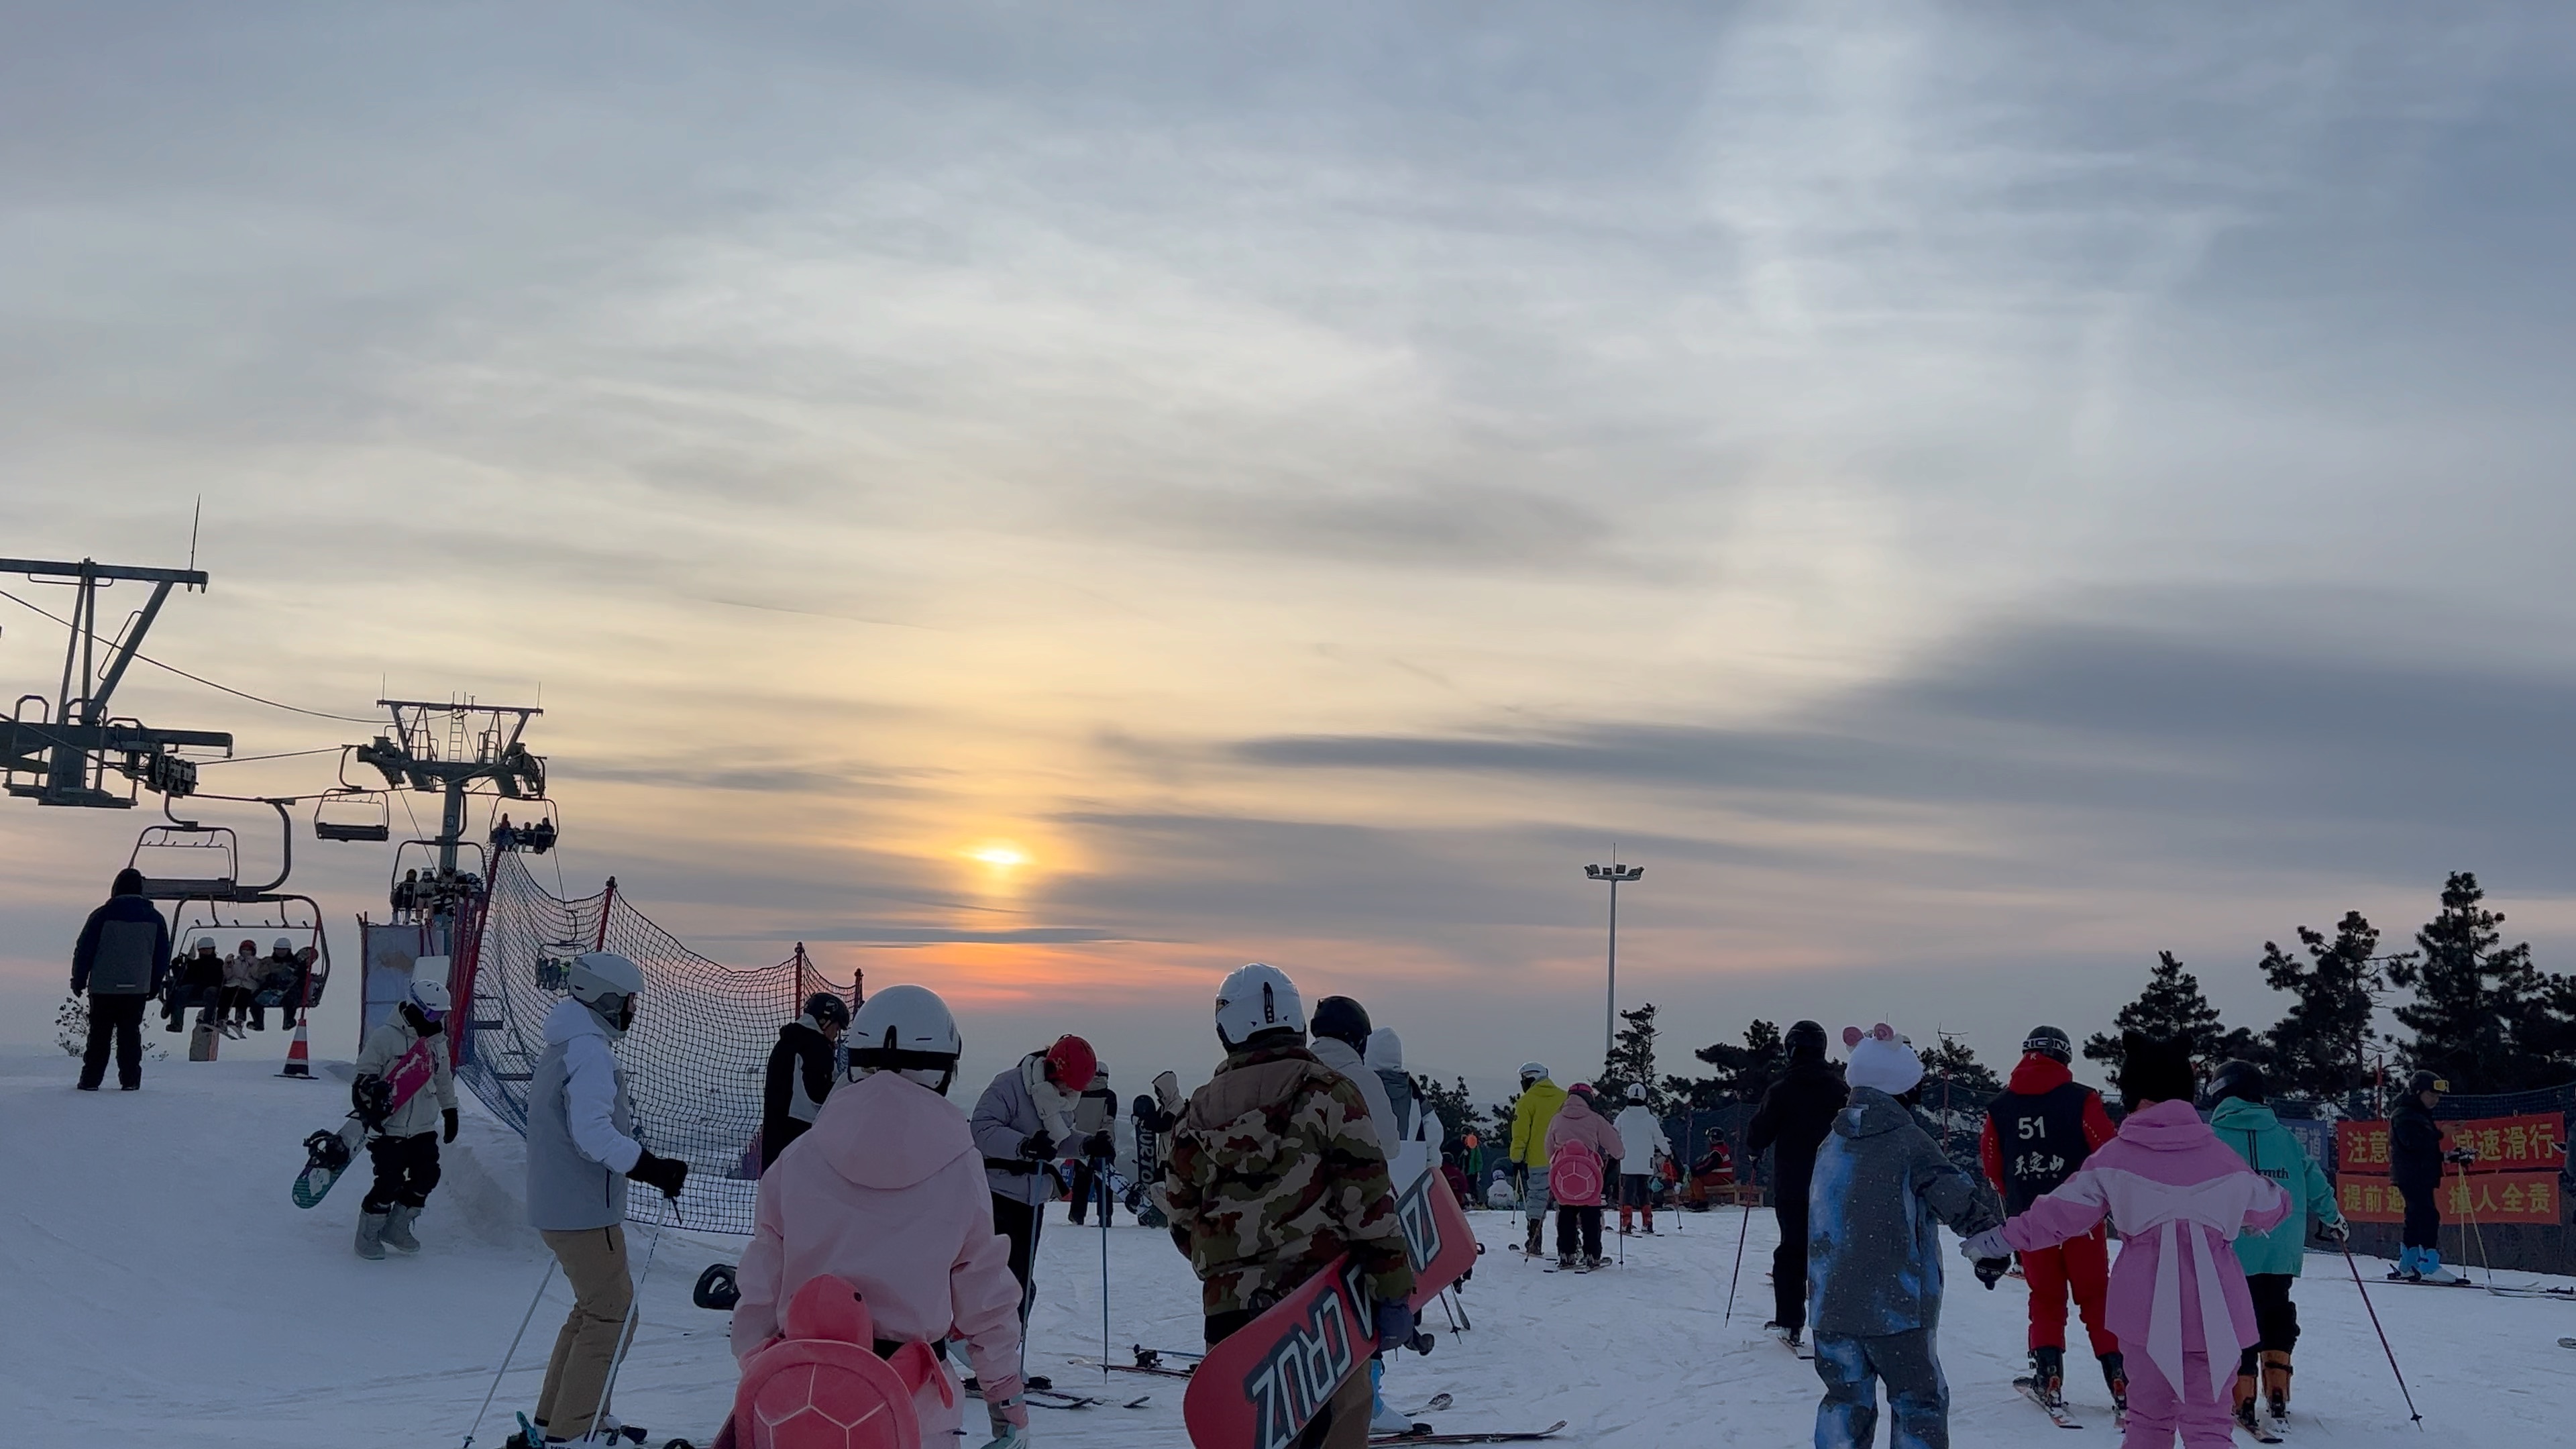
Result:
x=299 y=1055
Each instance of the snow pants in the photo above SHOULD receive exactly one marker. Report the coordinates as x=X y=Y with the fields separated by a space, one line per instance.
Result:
x=2423 y=1227
x=1633 y=1195
x=2078 y=1265
x=117 y=1021
x=2158 y=1411
x=406 y=1169
x=240 y=1004
x=1019 y=1222
x=594 y=1263
x=1343 y=1423
x=1578 y=1230
x=1918 y=1398
x=1789 y=1265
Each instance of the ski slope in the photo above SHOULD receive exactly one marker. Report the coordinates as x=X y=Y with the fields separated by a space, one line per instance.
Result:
x=163 y=1290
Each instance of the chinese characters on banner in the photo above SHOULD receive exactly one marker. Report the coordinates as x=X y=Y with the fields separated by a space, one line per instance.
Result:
x=2513 y=1180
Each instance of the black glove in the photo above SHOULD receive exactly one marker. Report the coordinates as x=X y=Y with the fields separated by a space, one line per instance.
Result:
x=447 y=1131
x=1100 y=1144
x=372 y=1098
x=667 y=1173
x=2461 y=1155
x=77 y=988
x=1038 y=1146
x=1394 y=1325
x=1991 y=1271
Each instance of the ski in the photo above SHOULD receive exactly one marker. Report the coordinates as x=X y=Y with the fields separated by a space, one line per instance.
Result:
x=1153 y=1357
x=2259 y=1431
x=2531 y=1292
x=1795 y=1346
x=1438 y=1403
x=1157 y=1370
x=2428 y=1283
x=2567 y=1343
x=1523 y=1436
x=2056 y=1412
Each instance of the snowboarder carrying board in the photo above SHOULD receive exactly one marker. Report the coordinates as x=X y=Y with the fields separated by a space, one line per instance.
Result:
x=404 y=1125
x=1275 y=1176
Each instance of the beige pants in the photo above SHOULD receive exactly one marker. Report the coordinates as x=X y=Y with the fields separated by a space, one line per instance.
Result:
x=594 y=1262
x=1344 y=1424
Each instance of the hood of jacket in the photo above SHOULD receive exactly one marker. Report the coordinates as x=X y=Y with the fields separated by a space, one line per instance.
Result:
x=570 y=1019
x=887 y=1131
x=2238 y=1115
x=1385 y=1050
x=1869 y=1113
x=1051 y=1100
x=1577 y=1108
x=2169 y=1126
x=2037 y=1073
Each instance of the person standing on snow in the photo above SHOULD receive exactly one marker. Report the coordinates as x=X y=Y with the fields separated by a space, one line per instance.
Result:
x=402 y=1142
x=2038 y=1130
x=121 y=962
x=1341 y=1031
x=2415 y=1159
x=2238 y=1114
x=1881 y=1187
x=1417 y=1130
x=1794 y=1117
x=1022 y=1122
x=889 y=1194
x=1641 y=1139
x=581 y=1127
x=2178 y=1296
x=1274 y=1174
x=1578 y=1129
x=800 y=1073
x=1536 y=1111
x=1095 y=1116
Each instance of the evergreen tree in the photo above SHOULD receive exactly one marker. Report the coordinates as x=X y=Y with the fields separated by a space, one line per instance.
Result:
x=1744 y=1072
x=1455 y=1108
x=1632 y=1059
x=2318 y=1048
x=1957 y=1061
x=2172 y=1006
x=2480 y=1006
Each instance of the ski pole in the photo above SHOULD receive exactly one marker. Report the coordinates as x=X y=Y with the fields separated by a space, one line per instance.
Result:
x=2469 y=1206
x=1738 y=1276
x=1100 y=1175
x=2411 y=1411
x=524 y=1319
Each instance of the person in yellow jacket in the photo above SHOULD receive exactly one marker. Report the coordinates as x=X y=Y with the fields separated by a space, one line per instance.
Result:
x=1530 y=1120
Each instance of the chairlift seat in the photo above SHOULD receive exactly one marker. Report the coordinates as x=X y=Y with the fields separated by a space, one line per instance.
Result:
x=180 y=888
x=370 y=834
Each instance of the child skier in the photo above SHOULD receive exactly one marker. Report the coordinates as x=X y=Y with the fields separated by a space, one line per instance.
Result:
x=2178 y=1298
x=1539 y=1103
x=1641 y=1147
x=2037 y=1132
x=1873 y=1253
x=2415 y=1159
x=1579 y=1130
x=1274 y=1174
x=243 y=970
x=887 y=1191
x=2272 y=1260
x=403 y=1146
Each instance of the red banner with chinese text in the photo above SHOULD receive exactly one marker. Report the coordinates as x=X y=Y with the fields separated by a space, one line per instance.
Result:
x=2491 y=1197
x=2533 y=1143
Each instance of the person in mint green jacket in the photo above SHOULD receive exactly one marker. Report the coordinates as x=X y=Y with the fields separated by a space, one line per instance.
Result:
x=2237 y=1113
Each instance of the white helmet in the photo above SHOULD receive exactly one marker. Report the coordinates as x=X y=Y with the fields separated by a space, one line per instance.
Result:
x=1532 y=1071
x=429 y=993
x=608 y=984
x=282 y=944
x=1636 y=1091
x=205 y=943
x=1254 y=999
x=906 y=1030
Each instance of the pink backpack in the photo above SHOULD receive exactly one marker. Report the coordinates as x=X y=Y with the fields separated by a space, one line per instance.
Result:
x=820 y=1385
x=1574 y=1176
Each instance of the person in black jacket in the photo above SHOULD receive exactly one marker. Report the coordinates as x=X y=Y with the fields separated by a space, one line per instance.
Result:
x=2415 y=1159
x=1793 y=1119
x=800 y=1073
x=121 y=961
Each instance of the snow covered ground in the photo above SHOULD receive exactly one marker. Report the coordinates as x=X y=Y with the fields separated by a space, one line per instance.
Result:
x=163 y=1290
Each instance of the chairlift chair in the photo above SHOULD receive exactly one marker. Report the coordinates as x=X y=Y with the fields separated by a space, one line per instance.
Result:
x=204 y=916
x=207 y=861
x=364 y=816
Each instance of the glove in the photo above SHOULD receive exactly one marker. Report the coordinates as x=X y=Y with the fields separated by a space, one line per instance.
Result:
x=667 y=1173
x=2461 y=1155
x=1991 y=1271
x=1394 y=1325
x=447 y=1129
x=77 y=988
x=1986 y=1245
x=1012 y=1436
x=2337 y=1232
x=1038 y=1146
x=372 y=1099
x=1009 y=1418
x=1100 y=1144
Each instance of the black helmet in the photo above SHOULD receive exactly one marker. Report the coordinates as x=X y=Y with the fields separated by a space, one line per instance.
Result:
x=828 y=1010
x=2425 y=1081
x=2233 y=1079
x=1806 y=1042
x=2051 y=1042
x=1342 y=1019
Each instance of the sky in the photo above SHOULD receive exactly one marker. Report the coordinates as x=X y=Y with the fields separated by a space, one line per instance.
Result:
x=1966 y=497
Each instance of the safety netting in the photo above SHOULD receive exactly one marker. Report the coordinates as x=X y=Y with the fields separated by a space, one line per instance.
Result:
x=694 y=1059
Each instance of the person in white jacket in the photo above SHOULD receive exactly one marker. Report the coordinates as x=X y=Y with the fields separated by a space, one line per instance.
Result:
x=1338 y=1034
x=402 y=1141
x=1641 y=1137
x=1414 y=1128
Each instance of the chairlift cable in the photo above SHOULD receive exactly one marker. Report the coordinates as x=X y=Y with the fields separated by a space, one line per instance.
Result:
x=288 y=755
x=183 y=674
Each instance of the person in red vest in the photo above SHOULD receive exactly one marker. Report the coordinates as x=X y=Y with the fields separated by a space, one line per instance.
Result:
x=2038 y=1132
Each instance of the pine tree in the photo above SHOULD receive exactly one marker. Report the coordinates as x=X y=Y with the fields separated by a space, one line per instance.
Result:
x=1454 y=1107
x=1957 y=1061
x=2318 y=1049
x=2479 y=1004
x=2173 y=1006
x=1632 y=1059
x=1744 y=1072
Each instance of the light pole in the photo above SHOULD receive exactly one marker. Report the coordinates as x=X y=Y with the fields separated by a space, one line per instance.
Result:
x=1614 y=873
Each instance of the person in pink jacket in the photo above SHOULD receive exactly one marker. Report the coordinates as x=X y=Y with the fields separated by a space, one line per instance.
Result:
x=1578 y=1127
x=887 y=1191
x=2179 y=1196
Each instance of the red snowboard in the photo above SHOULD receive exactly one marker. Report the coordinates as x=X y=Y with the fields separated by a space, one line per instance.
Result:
x=1260 y=1388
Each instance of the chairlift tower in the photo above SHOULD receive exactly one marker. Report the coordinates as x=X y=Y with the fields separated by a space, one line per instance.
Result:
x=456 y=749
x=59 y=755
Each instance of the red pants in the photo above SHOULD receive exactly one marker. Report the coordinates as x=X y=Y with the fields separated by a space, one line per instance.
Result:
x=2083 y=1265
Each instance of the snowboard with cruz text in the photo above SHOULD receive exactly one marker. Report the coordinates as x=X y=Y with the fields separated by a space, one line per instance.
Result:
x=328 y=1153
x=1261 y=1387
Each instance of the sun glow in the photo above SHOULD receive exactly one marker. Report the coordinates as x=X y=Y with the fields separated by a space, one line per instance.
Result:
x=1000 y=857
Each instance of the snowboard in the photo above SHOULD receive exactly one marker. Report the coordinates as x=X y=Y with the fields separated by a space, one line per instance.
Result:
x=328 y=1153
x=1260 y=1388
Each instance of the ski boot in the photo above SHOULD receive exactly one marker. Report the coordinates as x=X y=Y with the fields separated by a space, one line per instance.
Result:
x=1794 y=1337
x=2246 y=1394
x=2276 y=1386
x=371 y=1235
x=2429 y=1269
x=1593 y=1262
x=2048 y=1376
x=2115 y=1376
x=1531 y=1248
x=1565 y=1262
x=397 y=1231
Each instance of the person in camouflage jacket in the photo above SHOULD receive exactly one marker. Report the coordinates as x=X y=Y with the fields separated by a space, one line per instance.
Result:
x=1274 y=1172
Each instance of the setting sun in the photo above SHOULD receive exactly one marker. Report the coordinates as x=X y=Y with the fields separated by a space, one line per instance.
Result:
x=1000 y=856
